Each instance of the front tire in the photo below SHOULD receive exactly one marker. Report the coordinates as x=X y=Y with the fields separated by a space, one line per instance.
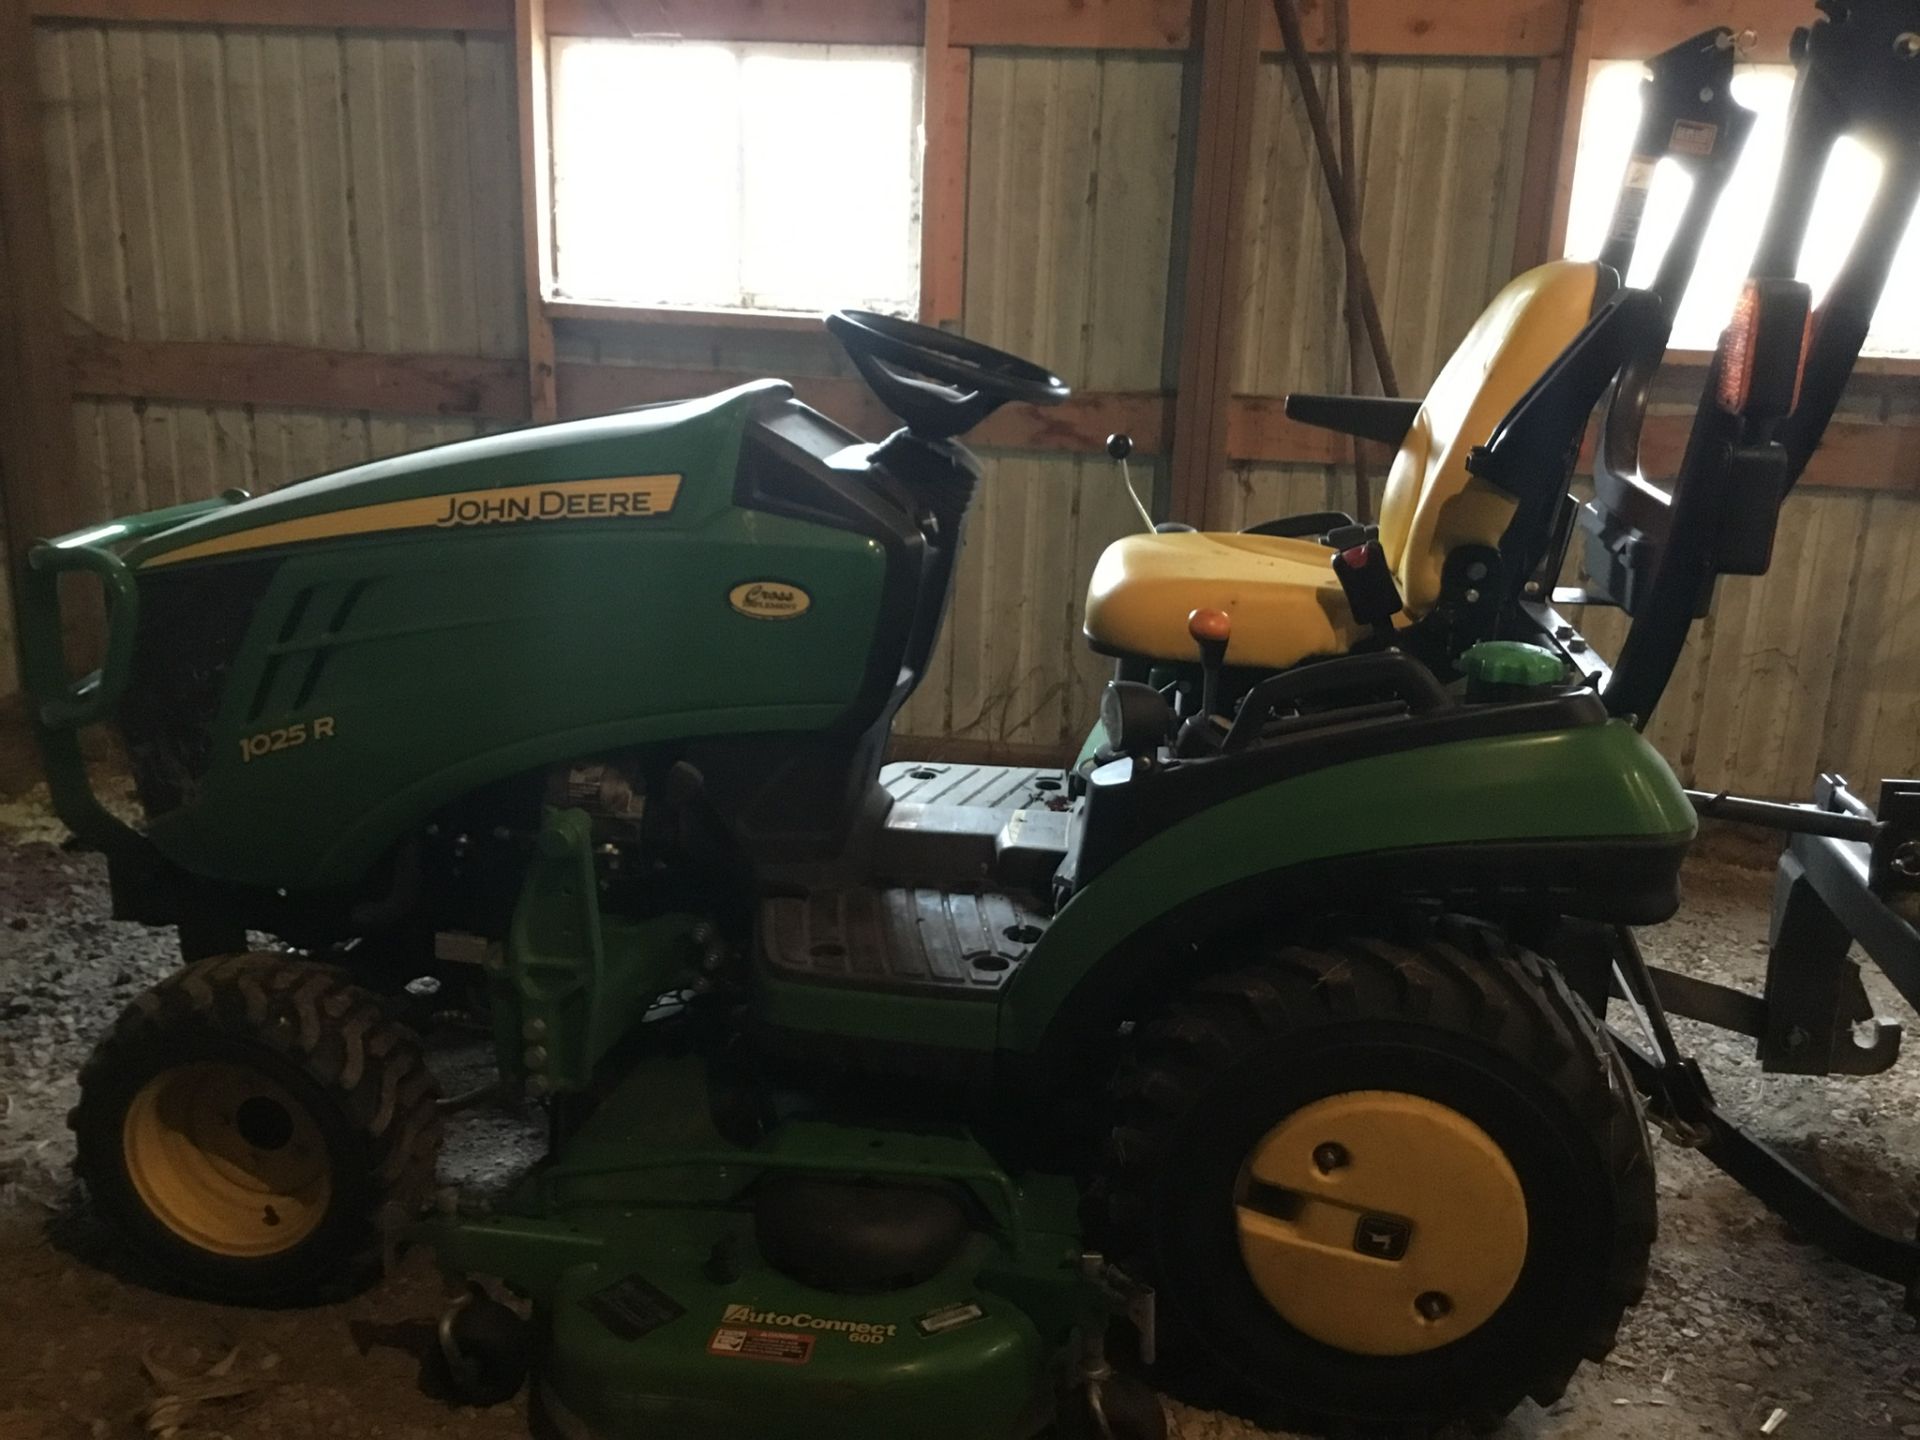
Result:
x=1380 y=1186
x=246 y=1122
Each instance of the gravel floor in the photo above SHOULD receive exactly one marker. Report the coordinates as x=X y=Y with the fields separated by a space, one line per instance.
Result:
x=1739 y=1321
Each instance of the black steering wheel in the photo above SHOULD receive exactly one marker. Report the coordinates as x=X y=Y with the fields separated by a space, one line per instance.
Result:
x=939 y=384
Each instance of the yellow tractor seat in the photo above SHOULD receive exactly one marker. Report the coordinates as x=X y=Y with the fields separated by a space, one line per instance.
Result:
x=1285 y=602
x=1284 y=599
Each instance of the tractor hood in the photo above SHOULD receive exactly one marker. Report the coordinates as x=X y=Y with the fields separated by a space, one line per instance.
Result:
x=655 y=460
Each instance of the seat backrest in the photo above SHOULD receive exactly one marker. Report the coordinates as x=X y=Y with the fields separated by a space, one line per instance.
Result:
x=1432 y=505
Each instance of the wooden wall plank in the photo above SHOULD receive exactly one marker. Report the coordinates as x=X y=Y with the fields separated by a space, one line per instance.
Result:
x=225 y=373
x=536 y=190
x=307 y=14
x=943 y=181
x=1228 y=62
x=1635 y=31
x=1858 y=454
x=36 y=436
x=1580 y=52
x=1380 y=27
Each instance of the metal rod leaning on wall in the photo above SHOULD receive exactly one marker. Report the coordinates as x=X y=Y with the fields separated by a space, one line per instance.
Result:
x=1349 y=168
x=1339 y=188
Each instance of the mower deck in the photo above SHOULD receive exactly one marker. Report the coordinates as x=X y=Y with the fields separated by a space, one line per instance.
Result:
x=681 y=1290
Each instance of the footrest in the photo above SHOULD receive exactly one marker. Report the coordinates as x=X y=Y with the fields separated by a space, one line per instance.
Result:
x=954 y=943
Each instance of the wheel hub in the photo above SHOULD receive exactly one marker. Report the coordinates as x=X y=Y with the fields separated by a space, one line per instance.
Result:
x=227 y=1159
x=1381 y=1223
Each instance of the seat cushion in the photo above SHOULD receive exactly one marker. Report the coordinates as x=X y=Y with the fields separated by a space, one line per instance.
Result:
x=1284 y=599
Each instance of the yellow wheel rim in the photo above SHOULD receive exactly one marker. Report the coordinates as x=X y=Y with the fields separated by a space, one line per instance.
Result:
x=1381 y=1223
x=227 y=1159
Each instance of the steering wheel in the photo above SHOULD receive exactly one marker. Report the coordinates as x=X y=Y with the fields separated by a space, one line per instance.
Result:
x=941 y=385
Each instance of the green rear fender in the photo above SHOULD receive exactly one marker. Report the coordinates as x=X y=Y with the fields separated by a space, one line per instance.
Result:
x=1599 y=783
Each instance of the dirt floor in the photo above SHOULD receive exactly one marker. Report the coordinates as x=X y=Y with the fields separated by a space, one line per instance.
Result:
x=1739 y=1321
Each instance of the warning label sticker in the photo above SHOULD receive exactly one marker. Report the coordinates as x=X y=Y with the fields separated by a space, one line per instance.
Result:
x=780 y=1346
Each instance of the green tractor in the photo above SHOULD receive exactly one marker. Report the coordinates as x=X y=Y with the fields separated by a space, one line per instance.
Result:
x=1259 y=1049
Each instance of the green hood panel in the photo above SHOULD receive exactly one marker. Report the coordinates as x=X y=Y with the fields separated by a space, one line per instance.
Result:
x=695 y=440
x=1590 y=782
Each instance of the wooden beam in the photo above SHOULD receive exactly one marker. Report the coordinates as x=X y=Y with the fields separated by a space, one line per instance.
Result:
x=1259 y=431
x=494 y=15
x=943 y=182
x=37 y=484
x=684 y=317
x=1225 y=69
x=1853 y=455
x=1540 y=168
x=843 y=22
x=1579 y=66
x=1856 y=456
x=536 y=202
x=208 y=372
x=1078 y=427
x=1380 y=27
x=1424 y=27
x=1638 y=31
x=212 y=372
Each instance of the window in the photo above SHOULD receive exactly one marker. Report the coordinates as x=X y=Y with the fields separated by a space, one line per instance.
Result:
x=1606 y=135
x=750 y=177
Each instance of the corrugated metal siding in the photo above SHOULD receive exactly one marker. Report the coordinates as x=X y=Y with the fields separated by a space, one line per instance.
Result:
x=1440 y=149
x=1811 y=667
x=136 y=455
x=346 y=190
x=307 y=187
x=1069 y=234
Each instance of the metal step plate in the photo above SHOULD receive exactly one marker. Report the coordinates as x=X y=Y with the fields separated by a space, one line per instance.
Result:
x=996 y=787
x=953 y=943
x=946 y=820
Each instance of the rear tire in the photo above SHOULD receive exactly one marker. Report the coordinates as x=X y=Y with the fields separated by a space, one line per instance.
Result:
x=1485 y=1046
x=247 y=1121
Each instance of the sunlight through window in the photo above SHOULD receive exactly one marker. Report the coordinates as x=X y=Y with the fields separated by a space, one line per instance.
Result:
x=1612 y=113
x=753 y=177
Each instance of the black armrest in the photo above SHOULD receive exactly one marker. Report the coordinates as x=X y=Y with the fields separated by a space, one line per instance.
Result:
x=1302 y=527
x=1369 y=417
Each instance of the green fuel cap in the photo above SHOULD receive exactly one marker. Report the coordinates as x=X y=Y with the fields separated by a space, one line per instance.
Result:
x=1512 y=662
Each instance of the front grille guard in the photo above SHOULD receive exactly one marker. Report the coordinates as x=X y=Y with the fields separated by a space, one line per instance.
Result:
x=62 y=704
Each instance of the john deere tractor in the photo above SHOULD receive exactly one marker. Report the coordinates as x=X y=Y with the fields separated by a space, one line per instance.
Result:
x=1257 y=1053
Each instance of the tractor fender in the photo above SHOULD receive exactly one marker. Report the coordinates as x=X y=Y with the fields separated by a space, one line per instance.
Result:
x=1587 y=821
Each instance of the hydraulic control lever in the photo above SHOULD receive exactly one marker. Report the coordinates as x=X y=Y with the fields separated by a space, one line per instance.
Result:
x=1210 y=629
x=1119 y=447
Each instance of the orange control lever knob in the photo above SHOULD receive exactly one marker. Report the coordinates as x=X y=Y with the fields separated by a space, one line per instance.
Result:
x=1214 y=626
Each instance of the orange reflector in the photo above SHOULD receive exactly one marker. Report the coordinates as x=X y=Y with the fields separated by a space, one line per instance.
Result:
x=1214 y=625
x=1759 y=375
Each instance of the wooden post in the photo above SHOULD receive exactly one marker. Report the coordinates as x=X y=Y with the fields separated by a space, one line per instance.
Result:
x=36 y=405
x=1226 y=63
x=1540 y=171
x=536 y=203
x=943 y=180
x=1580 y=58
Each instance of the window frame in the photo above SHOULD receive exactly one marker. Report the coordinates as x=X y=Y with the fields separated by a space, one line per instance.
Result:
x=945 y=84
x=560 y=301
